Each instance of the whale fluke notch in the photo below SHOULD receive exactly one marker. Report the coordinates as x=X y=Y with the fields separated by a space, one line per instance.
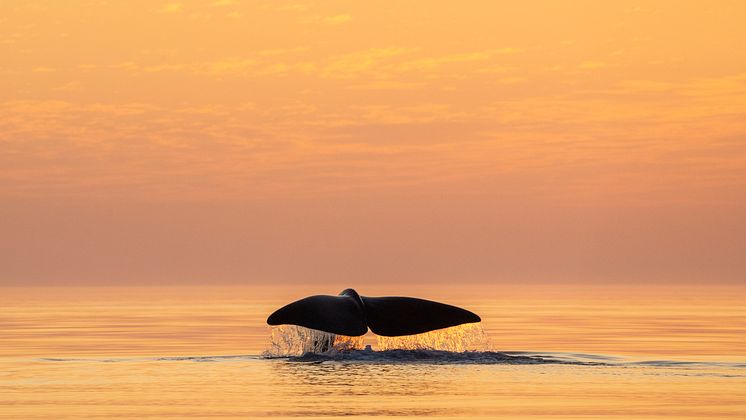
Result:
x=351 y=314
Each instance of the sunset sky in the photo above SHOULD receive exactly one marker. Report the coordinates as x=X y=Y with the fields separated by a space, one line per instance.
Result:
x=204 y=142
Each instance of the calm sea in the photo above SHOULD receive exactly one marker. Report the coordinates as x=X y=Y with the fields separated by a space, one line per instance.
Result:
x=551 y=352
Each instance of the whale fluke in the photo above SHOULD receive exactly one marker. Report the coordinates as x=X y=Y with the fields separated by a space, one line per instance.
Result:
x=351 y=314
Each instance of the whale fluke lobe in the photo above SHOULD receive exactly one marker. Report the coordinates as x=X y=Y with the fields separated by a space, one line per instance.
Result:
x=396 y=316
x=351 y=314
x=340 y=315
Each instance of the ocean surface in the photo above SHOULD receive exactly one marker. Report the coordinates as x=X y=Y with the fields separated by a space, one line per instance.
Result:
x=541 y=352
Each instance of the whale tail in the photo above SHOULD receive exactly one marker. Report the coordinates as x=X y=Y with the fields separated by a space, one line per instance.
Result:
x=350 y=314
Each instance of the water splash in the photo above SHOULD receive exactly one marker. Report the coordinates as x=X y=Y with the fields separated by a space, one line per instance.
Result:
x=293 y=340
x=461 y=338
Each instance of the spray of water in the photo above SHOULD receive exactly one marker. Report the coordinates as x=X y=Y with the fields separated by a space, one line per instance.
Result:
x=293 y=340
x=461 y=338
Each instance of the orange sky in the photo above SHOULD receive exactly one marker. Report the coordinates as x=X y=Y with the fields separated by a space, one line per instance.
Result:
x=239 y=141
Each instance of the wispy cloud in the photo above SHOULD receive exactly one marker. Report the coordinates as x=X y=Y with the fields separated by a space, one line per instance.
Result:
x=171 y=8
x=354 y=63
x=228 y=66
x=220 y=3
x=591 y=65
x=336 y=19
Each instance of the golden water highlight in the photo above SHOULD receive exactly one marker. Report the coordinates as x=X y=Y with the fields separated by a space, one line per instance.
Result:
x=465 y=337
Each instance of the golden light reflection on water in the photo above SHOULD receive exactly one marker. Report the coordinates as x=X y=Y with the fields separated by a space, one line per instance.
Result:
x=101 y=353
x=466 y=337
x=247 y=387
x=680 y=321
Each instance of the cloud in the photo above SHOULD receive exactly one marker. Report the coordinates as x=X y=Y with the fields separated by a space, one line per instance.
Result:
x=383 y=85
x=224 y=3
x=228 y=66
x=388 y=67
x=353 y=64
x=431 y=63
x=171 y=8
x=391 y=62
x=163 y=67
x=126 y=65
x=72 y=86
x=282 y=51
x=292 y=7
x=336 y=19
x=592 y=65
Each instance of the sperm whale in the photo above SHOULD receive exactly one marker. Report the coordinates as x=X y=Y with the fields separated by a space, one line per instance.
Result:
x=351 y=314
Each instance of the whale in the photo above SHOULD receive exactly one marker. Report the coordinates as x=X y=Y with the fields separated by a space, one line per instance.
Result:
x=351 y=315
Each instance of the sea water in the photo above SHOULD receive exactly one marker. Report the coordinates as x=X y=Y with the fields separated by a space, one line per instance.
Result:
x=539 y=353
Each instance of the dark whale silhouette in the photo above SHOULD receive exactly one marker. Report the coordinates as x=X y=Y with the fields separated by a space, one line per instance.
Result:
x=351 y=314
